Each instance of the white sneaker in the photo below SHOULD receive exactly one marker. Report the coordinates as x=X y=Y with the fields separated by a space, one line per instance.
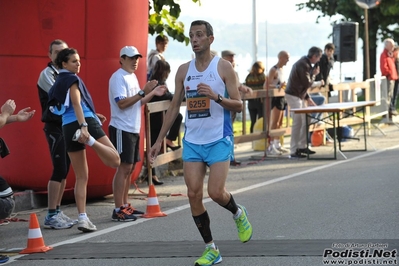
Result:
x=67 y=219
x=283 y=150
x=272 y=151
x=85 y=225
x=76 y=136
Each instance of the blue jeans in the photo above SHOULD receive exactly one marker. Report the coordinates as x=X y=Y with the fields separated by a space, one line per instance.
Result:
x=318 y=100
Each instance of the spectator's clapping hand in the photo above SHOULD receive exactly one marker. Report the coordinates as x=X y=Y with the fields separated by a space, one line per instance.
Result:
x=25 y=115
x=150 y=86
x=8 y=107
x=160 y=90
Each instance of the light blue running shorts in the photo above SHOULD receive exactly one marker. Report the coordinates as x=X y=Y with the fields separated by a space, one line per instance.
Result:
x=217 y=151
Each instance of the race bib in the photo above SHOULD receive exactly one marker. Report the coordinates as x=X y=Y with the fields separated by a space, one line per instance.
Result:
x=198 y=106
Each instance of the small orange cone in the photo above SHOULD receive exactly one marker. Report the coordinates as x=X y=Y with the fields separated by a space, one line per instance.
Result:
x=153 y=209
x=35 y=238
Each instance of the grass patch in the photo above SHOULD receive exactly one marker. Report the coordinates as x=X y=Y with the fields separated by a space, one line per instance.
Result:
x=237 y=127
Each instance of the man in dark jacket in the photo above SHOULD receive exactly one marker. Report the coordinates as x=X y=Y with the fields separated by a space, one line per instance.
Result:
x=55 y=218
x=302 y=77
x=326 y=63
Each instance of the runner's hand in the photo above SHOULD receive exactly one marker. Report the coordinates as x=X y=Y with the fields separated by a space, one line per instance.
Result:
x=204 y=89
x=153 y=152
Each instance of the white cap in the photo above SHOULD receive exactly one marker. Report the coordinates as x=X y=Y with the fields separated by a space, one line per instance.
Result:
x=130 y=51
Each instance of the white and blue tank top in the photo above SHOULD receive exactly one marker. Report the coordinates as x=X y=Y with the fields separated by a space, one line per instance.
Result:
x=206 y=120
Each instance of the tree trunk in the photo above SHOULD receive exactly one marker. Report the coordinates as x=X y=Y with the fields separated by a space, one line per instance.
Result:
x=373 y=28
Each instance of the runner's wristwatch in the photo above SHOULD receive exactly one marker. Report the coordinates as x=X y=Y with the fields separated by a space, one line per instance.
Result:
x=141 y=93
x=84 y=124
x=220 y=99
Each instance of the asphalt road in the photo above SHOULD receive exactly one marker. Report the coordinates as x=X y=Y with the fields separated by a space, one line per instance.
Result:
x=298 y=209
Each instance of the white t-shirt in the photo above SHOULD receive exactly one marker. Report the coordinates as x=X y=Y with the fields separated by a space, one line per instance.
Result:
x=122 y=85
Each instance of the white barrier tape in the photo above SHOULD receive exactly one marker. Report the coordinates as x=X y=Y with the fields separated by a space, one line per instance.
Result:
x=34 y=233
x=152 y=201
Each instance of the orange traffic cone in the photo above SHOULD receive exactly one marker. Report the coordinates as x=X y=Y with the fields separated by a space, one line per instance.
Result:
x=153 y=209
x=35 y=238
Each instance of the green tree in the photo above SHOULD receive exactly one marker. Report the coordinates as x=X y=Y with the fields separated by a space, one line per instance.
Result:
x=383 y=21
x=162 y=18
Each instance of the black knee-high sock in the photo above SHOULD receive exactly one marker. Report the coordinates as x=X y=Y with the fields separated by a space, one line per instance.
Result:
x=231 y=205
x=202 y=222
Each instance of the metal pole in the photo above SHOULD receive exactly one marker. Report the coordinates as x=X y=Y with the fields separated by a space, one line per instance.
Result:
x=267 y=54
x=254 y=32
x=366 y=42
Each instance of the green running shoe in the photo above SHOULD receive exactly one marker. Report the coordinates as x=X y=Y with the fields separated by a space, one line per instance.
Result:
x=243 y=226
x=209 y=257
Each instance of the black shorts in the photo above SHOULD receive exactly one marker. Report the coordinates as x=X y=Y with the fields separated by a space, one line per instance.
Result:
x=69 y=130
x=279 y=103
x=127 y=144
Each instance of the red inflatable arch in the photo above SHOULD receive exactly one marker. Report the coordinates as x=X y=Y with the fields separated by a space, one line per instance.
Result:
x=98 y=30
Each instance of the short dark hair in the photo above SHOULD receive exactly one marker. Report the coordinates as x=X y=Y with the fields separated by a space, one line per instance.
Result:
x=314 y=51
x=64 y=55
x=161 y=39
x=329 y=46
x=208 y=27
x=56 y=42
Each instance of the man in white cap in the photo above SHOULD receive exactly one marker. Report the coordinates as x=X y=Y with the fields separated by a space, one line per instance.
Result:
x=126 y=99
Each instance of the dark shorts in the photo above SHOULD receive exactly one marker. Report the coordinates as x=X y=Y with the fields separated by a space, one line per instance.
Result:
x=279 y=103
x=127 y=144
x=69 y=130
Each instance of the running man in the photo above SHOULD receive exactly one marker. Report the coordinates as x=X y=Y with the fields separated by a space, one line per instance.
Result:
x=209 y=84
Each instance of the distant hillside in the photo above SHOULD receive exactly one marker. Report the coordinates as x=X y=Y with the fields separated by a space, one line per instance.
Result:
x=294 y=38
